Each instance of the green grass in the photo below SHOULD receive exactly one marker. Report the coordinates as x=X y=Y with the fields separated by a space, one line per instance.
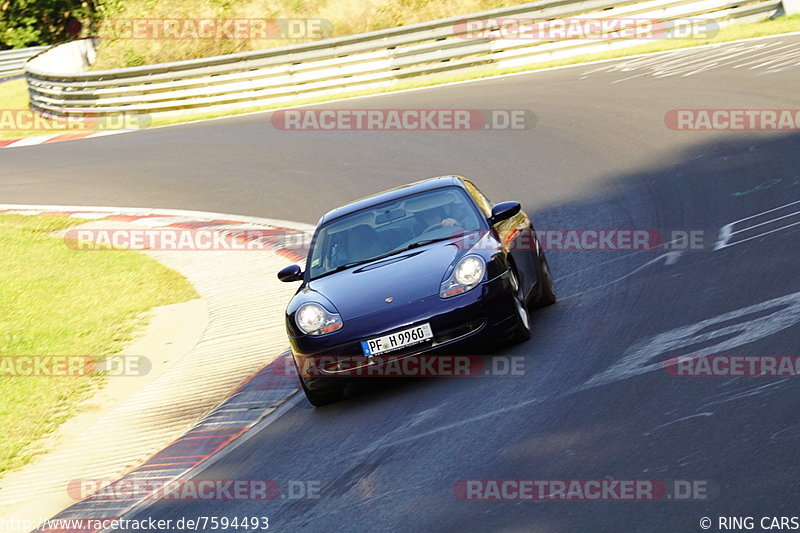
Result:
x=13 y=95
x=345 y=17
x=14 y=98
x=58 y=301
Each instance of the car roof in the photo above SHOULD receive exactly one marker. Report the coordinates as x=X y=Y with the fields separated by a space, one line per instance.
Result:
x=392 y=194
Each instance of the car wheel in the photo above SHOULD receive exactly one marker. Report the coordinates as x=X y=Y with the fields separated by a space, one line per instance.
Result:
x=547 y=292
x=319 y=398
x=522 y=330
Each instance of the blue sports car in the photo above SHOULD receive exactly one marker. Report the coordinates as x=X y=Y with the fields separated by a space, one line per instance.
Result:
x=410 y=271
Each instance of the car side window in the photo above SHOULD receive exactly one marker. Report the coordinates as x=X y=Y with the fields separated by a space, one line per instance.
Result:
x=482 y=202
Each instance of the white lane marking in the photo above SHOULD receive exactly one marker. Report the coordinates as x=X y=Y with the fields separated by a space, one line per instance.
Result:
x=638 y=359
x=466 y=421
x=694 y=61
x=596 y=265
x=669 y=261
x=755 y=58
x=765 y=212
x=780 y=59
x=725 y=55
x=669 y=258
x=795 y=428
x=767 y=222
x=667 y=66
x=729 y=231
x=729 y=59
x=730 y=397
x=650 y=432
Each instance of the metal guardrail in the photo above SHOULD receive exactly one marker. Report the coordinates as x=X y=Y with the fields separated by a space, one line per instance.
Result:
x=12 y=61
x=60 y=85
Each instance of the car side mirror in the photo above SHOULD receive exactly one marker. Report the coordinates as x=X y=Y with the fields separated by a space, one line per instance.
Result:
x=290 y=273
x=504 y=211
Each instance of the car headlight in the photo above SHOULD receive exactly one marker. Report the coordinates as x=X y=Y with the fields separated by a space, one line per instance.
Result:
x=469 y=270
x=313 y=319
x=466 y=276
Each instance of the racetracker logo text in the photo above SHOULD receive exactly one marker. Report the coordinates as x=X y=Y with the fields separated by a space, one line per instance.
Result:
x=207 y=29
x=733 y=119
x=566 y=29
x=707 y=366
x=73 y=366
x=28 y=120
x=390 y=366
x=193 y=489
x=596 y=490
x=181 y=239
x=403 y=119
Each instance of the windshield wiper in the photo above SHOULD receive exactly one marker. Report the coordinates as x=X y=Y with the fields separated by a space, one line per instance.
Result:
x=351 y=265
x=429 y=241
x=426 y=242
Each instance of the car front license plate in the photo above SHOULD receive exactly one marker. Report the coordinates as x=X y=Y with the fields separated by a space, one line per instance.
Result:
x=395 y=341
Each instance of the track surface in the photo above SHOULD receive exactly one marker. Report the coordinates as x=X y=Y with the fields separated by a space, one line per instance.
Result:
x=599 y=157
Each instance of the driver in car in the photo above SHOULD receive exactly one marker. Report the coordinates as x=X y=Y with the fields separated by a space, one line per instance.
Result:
x=433 y=218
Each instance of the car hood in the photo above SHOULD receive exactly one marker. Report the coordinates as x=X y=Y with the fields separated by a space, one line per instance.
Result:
x=405 y=278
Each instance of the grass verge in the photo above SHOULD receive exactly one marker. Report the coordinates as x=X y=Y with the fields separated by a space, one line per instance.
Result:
x=58 y=301
x=14 y=106
x=311 y=20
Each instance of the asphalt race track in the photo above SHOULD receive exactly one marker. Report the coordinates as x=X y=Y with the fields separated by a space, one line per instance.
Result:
x=595 y=401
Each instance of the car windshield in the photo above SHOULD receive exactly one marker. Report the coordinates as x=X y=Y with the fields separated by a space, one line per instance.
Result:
x=391 y=227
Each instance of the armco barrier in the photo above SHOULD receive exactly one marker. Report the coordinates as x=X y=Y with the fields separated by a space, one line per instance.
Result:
x=60 y=85
x=12 y=61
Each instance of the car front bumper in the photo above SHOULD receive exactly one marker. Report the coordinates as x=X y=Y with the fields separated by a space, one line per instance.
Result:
x=484 y=314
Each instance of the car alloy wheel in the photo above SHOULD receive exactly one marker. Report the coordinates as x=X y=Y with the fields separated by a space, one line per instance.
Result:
x=522 y=331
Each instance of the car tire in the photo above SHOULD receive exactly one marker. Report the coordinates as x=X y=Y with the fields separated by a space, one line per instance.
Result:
x=547 y=292
x=522 y=328
x=320 y=398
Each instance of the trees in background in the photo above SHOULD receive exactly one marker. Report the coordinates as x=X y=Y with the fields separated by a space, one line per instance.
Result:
x=36 y=22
